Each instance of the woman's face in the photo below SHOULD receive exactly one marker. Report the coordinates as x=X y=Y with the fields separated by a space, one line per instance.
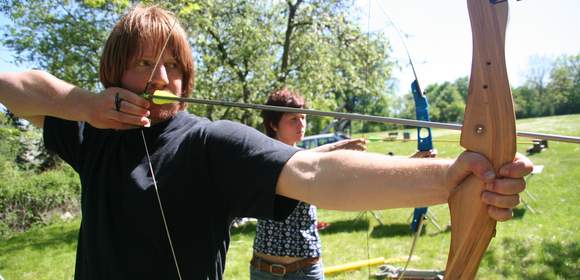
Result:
x=291 y=128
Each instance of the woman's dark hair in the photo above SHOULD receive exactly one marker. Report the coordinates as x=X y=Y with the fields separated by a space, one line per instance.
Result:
x=285 y=98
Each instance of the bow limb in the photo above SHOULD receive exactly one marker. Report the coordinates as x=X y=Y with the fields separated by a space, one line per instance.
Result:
x=488 y=129
x=424 y=140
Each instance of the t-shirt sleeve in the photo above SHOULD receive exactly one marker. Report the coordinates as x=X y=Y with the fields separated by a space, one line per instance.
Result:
x=64 y=138
x=245 y=165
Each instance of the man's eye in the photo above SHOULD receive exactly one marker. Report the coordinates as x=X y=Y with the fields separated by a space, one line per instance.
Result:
x=143 y=63
x=171 y=65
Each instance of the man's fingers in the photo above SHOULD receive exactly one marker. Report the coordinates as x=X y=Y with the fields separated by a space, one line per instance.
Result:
x=134 y=98
x=520 y=167
x=114 y=94
x=506 y=186
x=500 y=201
x=128 y=119
x=499 y=214
x=130 y=108
x=478 y=165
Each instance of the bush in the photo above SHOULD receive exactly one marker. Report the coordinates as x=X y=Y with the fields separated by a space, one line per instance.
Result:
x=28 y=199
x=35 y=185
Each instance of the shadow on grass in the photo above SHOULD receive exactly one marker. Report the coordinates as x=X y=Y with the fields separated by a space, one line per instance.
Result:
x=535 y=260
x=42 y=239
x=391 y=230
x=519 y=213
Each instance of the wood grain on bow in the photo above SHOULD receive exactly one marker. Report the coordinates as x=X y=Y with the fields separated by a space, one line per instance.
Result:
x=489 y=129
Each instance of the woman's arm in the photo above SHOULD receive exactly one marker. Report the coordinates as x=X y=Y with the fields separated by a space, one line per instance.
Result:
x=357 y=144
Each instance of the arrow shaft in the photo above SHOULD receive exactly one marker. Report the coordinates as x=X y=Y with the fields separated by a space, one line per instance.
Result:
x=353 y=116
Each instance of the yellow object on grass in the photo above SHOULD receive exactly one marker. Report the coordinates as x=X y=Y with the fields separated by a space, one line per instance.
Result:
x=358 y=264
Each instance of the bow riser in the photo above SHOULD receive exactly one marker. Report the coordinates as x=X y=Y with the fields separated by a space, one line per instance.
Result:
x=488 y=129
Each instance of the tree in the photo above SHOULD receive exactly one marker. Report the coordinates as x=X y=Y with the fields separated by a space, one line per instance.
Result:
x=556 y=94
x=538 y=74
x=564 y=85
x=61 y=37
x=248 y=49
x=243 y=49
x=446 y=101
x=524 y=102
x=462 y=85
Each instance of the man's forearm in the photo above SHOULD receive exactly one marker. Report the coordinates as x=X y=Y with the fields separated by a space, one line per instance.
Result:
x=347 y=180
x=35 y=93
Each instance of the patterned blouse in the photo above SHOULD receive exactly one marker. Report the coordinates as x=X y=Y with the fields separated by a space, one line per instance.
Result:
x=295 y=237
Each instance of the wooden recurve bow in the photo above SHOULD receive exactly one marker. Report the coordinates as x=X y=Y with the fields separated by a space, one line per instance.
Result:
x=488 y=129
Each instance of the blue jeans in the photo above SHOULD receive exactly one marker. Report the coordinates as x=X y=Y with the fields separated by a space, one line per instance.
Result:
x=313 y=272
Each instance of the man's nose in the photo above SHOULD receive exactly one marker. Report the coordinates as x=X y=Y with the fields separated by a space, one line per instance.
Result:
x=160 y=78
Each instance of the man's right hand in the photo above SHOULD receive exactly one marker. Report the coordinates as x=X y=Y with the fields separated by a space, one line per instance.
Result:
x=118 y=108
x=34 y=94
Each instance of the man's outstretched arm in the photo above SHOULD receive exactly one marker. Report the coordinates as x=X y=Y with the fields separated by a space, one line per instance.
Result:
x=351 y=181
x=32 y=95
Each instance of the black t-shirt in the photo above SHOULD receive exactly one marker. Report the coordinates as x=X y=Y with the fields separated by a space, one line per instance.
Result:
x=207 y=174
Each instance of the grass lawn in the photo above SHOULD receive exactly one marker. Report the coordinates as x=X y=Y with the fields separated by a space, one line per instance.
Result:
x=540 y=245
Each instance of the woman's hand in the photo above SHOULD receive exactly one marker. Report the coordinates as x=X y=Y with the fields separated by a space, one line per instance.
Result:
x=118 y=108
x=425 y=154
x=356 y=144
x=501 y=191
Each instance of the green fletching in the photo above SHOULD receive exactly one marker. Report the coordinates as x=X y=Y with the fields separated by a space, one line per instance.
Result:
x=162 y=93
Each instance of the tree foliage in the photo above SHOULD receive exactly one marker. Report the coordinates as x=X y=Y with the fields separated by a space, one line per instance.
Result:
x=248 y=49
x=34 y=182
x=552 y=87
x=552 y=90
x=61 y=37
x=446 y=101
x=244 y=50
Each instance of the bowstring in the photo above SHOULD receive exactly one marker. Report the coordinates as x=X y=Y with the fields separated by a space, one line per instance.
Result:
x=159 y=56
x=421 y=222
x=368 y=233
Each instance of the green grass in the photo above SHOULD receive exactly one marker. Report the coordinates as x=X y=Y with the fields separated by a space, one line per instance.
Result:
x=41 y=253
x=541 y=245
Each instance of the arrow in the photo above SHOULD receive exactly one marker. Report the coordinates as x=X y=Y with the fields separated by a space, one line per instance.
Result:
x=165 y=97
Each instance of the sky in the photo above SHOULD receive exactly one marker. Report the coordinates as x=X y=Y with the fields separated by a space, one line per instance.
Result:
x=438 y=35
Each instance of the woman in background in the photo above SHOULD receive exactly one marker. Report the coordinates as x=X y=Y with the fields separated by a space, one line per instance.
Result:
x=291 y=248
